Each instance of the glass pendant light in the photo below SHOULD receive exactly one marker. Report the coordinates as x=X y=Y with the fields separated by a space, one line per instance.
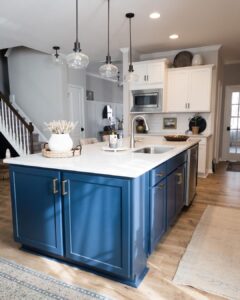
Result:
x=57 y=57
x=108 y=70
x=131 y=76
x=77 y=60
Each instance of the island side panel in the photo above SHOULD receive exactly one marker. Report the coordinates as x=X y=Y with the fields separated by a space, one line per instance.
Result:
x=140 y=226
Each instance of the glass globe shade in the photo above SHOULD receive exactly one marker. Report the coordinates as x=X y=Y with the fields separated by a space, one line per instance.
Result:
x=57 y=60
x=131 y=77
x=77 y=60
x=108 y=70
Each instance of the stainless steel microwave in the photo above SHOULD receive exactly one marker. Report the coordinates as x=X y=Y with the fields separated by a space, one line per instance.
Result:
x=147 y=100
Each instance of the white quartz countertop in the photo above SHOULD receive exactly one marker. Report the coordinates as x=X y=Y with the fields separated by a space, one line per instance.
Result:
x=97 y=161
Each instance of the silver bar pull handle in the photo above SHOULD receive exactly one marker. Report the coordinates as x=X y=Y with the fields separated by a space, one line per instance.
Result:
x=179 y=175
x=64 y=192
x=55 y=184
x=161 y=174
x=160 y=186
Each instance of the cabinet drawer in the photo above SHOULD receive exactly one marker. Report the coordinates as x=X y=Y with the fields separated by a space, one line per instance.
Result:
x=158 y=174
x=176 y=161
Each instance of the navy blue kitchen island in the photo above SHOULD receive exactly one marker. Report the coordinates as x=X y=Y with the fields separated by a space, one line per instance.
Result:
x=105 y=224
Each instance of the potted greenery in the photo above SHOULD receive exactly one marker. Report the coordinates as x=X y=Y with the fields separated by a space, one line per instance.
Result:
x=195 y=122
x=60 y=140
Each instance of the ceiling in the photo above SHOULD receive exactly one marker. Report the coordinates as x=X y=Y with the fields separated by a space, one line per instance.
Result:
x=42 y=24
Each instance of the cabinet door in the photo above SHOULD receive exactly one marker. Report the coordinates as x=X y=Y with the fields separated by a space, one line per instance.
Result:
x=180 y=187
x=37 y=209
x=200 y=81
x=202 y=159
x=177 y=93
x=96 y=211
x=155 y=72
x=141 y=70
x=157 y=213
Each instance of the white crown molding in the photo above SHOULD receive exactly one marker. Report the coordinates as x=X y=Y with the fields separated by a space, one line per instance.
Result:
x=8 y=52
x=100 y=77
x=174 y=52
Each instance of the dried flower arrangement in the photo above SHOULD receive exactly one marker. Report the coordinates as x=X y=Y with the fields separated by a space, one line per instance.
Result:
x=60 y=126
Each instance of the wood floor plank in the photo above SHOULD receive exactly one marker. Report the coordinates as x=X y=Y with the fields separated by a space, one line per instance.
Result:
x=221 y=189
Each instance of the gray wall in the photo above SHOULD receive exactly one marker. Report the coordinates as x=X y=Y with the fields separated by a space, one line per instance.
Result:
x=104 y=90
x=4 y=81
x=231 y=75
x=41 y=87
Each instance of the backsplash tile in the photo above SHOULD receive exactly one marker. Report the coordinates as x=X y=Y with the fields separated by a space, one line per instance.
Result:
x=155 y=122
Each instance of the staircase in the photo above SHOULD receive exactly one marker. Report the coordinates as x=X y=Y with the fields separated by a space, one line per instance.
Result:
x=16 y=130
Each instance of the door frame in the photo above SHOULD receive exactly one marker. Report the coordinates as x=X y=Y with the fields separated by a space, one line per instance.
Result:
x=227 y=111
x=82 y=91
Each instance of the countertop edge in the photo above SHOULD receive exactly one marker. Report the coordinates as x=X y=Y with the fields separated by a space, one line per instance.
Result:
x=128 y=169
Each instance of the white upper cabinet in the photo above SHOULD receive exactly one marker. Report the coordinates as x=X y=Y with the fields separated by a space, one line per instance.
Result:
x=189 y=89
x=150 y=74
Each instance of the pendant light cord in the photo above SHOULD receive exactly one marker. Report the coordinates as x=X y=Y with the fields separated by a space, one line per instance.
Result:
x=77 y=44
x=108 y=58
x=130 y=16
x=76 y=21
x=130 y=34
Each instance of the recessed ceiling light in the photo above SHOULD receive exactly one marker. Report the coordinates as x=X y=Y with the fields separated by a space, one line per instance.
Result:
x=174 y=36
x=154 y=15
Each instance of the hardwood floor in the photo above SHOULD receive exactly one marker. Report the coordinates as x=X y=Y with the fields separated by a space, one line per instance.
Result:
x=221 y=188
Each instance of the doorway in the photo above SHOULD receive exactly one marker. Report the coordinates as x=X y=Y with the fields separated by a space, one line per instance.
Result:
x=231 y=130
x=76 y=109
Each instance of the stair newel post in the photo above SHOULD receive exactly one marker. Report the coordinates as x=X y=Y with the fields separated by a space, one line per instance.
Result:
x=31 y=129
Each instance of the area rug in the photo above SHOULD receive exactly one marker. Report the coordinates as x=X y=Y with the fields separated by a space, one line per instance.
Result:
x=212 y=259
x=19 y=282
x=233 y=166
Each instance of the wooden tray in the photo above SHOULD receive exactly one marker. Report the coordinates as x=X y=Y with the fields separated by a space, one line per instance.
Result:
x=54 y=154
x=176 y=138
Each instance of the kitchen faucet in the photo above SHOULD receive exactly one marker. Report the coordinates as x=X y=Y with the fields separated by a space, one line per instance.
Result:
x=132 y=141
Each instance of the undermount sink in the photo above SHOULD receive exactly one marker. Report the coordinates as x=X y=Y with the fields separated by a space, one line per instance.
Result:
x=153 y=150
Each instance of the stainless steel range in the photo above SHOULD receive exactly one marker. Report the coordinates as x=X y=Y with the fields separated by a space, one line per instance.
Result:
x=192 y=168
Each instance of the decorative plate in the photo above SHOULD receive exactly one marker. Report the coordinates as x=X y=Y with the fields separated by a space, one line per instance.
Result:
x=176 y=138
x=200 y=122
x=106 y=148
x=183 y=59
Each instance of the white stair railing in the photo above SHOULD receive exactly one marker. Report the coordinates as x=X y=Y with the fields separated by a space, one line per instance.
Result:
x=15 y=129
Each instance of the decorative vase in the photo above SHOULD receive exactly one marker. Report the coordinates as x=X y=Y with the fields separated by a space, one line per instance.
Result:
x=140 y=128
x=197 y=60
x=195 y=129
x=60 y=142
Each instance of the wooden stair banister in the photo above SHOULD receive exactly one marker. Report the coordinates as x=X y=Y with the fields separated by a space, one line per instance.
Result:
x=16 y=126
